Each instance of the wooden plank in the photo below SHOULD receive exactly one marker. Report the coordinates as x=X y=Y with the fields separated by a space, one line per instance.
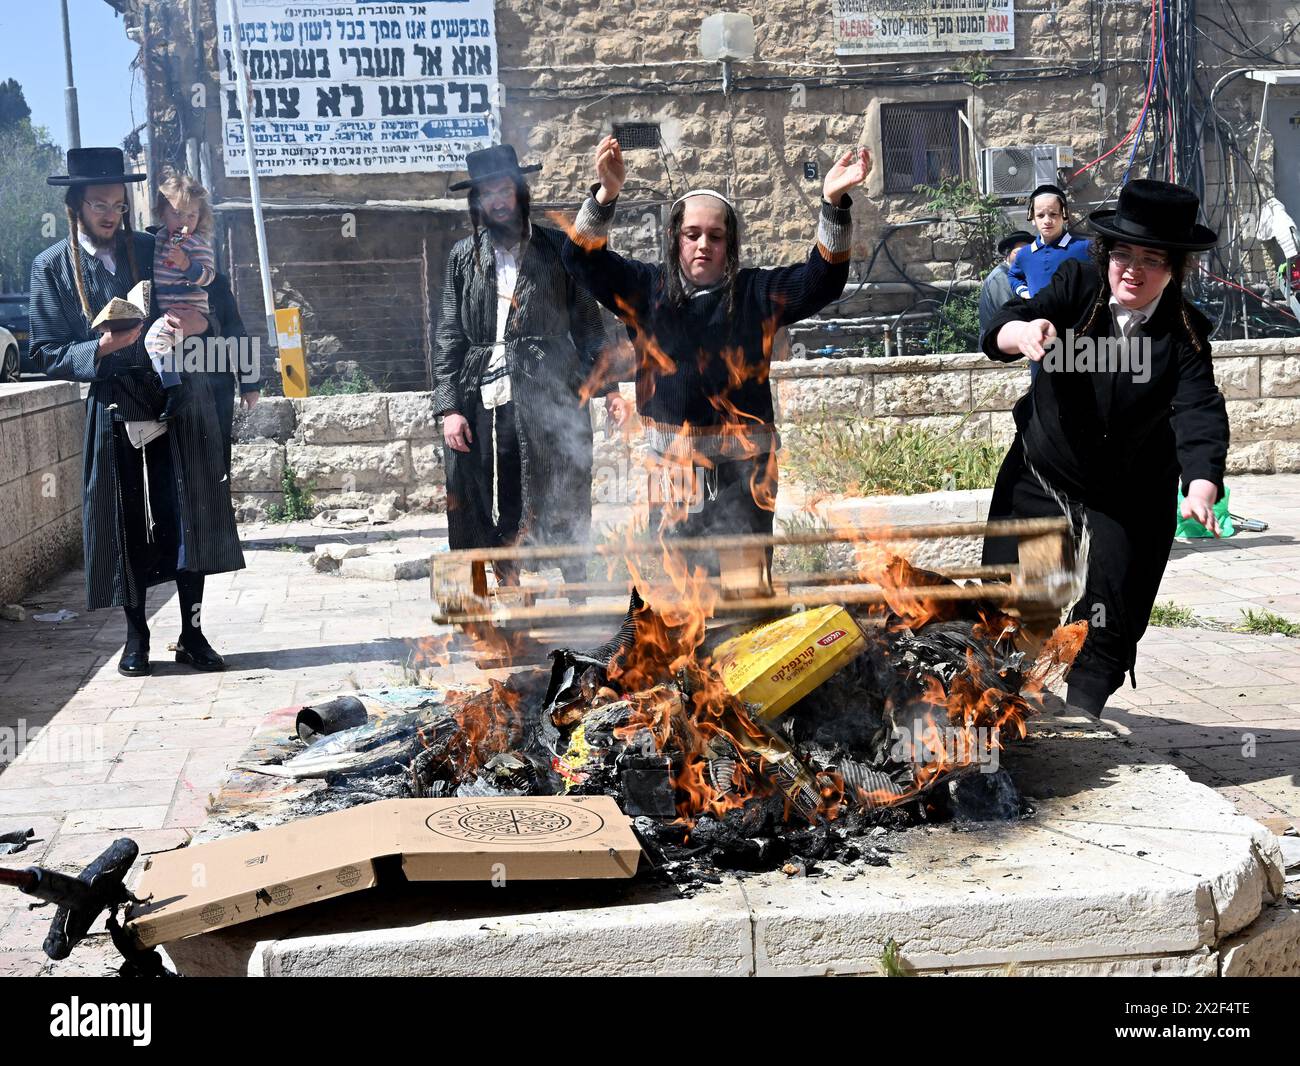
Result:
x=539 y=552
x=782 y=582
x=992 y=593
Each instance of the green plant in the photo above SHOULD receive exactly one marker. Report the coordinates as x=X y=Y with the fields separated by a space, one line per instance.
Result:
x=1171 y=616
x=298 y=504
x=347 y=385
x=956 y=325
x=891 y=962
x=1262 y=621
x=976 y=68
x=866 y=459
x=964 y=211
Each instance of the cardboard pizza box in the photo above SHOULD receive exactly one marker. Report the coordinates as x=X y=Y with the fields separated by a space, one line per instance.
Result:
x=530 y=838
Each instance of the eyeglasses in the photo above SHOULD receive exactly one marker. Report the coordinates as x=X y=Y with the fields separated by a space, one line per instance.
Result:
x=101 y=208
x=1144 y=263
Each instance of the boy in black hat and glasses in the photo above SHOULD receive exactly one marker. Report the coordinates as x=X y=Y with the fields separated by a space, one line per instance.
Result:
x=156 y=503
x=517 y=340
x=1126 y=405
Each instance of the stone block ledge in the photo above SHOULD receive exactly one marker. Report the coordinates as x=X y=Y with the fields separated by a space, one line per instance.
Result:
x=1127 y=867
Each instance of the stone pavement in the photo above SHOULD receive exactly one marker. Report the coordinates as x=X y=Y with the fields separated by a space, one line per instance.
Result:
x=141 y=756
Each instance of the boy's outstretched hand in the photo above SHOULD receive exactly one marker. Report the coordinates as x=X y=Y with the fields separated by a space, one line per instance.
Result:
x=851 y=169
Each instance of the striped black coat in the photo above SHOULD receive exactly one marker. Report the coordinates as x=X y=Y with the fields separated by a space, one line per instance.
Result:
x=124 y=385
x=553 y=339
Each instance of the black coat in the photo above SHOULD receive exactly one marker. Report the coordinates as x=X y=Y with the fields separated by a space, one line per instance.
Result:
x=123 y=385
x=1108 y=450
x=1103 y=436
x=553 y=339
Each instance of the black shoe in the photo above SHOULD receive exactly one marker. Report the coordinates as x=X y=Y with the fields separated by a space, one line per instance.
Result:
x=134 y=664
x=178 y=399
x=200 y=655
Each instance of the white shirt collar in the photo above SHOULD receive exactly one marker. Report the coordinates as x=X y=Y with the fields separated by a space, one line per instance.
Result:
x=104 y=255
x=1065 y=239
x=1142 y=314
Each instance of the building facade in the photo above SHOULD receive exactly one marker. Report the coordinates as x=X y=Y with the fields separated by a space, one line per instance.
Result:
x=1036 y=88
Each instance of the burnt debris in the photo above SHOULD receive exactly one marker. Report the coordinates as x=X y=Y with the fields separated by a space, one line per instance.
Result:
x=897 y=737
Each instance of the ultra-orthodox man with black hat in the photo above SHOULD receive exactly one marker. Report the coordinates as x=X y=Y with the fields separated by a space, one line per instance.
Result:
x=516 y=342
x=156 y=496
x=1125 y=405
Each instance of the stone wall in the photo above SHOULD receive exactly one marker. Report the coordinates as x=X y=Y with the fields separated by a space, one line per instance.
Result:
x=348 y=451
x=42 y=424
x=357 y=449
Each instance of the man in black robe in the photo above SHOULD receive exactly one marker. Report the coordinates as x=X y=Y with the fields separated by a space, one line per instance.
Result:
x=517 y=340
x=155 y=511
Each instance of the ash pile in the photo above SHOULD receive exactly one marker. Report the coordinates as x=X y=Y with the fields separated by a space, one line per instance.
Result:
x=742 y=748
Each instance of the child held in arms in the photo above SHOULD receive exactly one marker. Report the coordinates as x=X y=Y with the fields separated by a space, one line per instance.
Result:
x=183 y=267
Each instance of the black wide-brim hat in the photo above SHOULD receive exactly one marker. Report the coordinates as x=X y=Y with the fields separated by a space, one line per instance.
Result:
x=499 y=161
x=1012 y=239
x=1156 y=214
x=95 y=166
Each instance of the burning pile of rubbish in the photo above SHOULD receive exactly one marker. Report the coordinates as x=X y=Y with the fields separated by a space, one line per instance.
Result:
x=741 y=747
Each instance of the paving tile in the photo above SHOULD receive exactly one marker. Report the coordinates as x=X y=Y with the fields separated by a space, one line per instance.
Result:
x=1249 y=804
x=115 y=819
x=162 y=764
x=22 y=963
x=1282 y=792
x=76 y=851
x=61 y=799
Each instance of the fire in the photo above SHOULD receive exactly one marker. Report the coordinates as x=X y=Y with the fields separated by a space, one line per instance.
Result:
x=677 y=706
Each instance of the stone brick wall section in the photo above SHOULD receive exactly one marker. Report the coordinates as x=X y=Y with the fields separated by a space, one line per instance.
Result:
x=356 y=449
x=41 y=430
x=349 y=451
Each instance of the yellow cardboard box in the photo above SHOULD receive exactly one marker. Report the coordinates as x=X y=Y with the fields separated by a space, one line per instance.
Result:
x=780 y=662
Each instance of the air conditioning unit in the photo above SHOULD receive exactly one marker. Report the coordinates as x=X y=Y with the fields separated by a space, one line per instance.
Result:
x=1018 y=170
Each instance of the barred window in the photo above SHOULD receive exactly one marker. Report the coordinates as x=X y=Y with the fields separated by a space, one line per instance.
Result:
x=637 y=134
x=921 y=144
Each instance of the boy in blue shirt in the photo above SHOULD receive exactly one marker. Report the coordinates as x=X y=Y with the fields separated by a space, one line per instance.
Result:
x=1035 y=263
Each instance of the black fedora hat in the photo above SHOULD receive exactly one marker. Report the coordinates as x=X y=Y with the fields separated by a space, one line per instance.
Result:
x=499 y=161
x=95 y=166
x=1157 y=214
x=1012 y=239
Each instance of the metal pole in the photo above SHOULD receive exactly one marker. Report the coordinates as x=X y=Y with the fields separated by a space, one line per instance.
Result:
x=244 y=94
x=146 y=43
x=1259 y=132
x=70 y=92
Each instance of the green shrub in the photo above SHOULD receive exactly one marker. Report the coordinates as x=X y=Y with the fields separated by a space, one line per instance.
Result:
x=860 y=459
x=347 y=385
x=298 y=504
x=802 y=558
x=1262 y=621
x=1170 y=615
